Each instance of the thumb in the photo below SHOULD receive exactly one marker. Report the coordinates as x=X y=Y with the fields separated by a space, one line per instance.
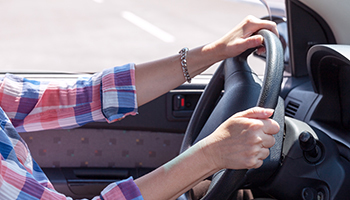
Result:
x=256 y=113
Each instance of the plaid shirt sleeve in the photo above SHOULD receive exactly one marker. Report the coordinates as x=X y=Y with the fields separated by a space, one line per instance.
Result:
x=32 y=105
x=27 y=105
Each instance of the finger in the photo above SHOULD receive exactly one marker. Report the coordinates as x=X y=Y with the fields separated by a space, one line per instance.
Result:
x=253 y=41
x=270 y=126
x=261 y=50
x=267 y=141
x=273 y=28
x=262 y=139
x=263 y=154
x=258 y=160
x=256 y=113
x=255 y=24
x=259 y=163
x=269 y=25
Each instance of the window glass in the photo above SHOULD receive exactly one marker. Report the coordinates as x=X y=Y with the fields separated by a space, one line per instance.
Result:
x=90 y=35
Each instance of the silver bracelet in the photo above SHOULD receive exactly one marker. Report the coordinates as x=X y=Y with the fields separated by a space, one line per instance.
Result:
x=183 y=53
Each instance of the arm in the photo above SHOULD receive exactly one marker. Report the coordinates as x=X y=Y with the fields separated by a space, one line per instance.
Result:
x=38 y=105
x=158 y=77
x=239 y=143
x=152 y=79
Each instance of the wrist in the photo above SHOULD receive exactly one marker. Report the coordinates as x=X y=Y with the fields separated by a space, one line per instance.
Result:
x=209 y=155
x=216 y=50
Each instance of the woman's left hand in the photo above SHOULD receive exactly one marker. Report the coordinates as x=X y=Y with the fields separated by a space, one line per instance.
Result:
x=243 y=37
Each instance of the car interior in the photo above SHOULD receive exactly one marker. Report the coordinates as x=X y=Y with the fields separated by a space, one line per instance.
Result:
x=306 y=82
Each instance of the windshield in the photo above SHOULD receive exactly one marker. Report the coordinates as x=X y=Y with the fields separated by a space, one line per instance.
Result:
x=90 y=35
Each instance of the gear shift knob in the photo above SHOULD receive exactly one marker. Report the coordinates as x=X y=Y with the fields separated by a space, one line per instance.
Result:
x=312 y=151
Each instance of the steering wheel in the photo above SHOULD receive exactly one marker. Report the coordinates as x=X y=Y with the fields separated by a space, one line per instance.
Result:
x=242 y=90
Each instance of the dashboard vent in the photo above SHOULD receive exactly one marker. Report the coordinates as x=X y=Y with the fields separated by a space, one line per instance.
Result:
x=292 y=108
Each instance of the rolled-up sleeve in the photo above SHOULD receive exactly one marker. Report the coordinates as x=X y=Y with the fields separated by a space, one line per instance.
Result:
x=118 y=92
x=125 y=189
x=34 y=105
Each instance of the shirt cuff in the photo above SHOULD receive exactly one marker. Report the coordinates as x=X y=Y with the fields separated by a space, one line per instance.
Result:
x=125 y=189
x=118 y=92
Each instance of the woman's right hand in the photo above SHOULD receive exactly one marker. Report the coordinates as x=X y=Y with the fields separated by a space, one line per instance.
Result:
x=242 y=141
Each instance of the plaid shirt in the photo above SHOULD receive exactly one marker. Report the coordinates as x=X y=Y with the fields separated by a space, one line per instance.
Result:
x=29 y=105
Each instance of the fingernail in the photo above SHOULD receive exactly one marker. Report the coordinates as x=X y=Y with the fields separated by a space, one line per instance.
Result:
x=268 y=111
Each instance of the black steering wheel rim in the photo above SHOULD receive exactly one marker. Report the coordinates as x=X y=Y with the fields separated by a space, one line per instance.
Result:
x=234 y=76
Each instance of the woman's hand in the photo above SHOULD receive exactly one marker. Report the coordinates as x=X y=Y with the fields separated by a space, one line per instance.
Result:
x=155 y=78
x=242 y=141
x=242 y=37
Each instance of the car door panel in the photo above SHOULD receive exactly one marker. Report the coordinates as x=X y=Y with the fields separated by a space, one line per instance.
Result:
x=80 y=162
